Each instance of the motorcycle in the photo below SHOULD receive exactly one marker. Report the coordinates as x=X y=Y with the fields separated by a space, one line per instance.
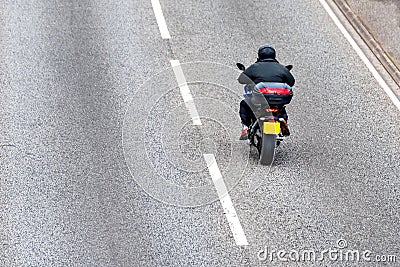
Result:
x=267 y=100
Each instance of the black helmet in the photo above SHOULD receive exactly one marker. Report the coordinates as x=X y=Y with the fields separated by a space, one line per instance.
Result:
x=266 y=51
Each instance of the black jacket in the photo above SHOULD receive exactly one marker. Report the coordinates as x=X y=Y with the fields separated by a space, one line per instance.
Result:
x=268 y=70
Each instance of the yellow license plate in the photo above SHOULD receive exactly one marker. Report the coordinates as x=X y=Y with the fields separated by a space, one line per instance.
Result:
x=272 y=127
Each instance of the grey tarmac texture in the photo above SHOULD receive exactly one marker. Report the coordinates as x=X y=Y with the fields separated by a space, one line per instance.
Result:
x=71 y=81
x=383 y=20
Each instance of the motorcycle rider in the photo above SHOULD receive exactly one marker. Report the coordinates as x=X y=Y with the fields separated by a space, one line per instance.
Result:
x=265 y=69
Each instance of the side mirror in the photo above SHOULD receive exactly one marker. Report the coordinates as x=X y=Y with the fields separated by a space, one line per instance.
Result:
x=240 y=66
x=289 y=67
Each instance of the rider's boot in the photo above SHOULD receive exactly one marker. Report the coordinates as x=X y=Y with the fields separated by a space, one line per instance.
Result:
x=284 y=127
x=244 y=135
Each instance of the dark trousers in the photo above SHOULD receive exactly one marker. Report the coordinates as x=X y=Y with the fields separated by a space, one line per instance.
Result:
x=247 y=115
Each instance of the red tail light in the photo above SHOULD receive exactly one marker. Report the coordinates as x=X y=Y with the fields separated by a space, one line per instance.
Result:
x=274 y=91
x=273 y=110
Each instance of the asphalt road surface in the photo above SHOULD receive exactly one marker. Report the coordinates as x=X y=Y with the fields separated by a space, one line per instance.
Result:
x=101 y=165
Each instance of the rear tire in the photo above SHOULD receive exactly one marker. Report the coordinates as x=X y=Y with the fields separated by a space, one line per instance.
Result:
x=267 y=151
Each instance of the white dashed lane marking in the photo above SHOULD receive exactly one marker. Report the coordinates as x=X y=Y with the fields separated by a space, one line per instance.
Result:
x=185 y=92
x=162 y=25
x=225 y=199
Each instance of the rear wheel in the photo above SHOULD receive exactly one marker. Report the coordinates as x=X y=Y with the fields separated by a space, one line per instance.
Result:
x=267 y=151
x=265 y=144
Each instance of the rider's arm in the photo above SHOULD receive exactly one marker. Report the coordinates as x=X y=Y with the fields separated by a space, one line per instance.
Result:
x=246 y=76
x=244 y=79
x=289 y=78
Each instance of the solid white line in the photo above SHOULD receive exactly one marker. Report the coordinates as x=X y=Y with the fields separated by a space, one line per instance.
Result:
x=162 y=25
x=185 y=92
x=225 y=199
x=361 y=54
